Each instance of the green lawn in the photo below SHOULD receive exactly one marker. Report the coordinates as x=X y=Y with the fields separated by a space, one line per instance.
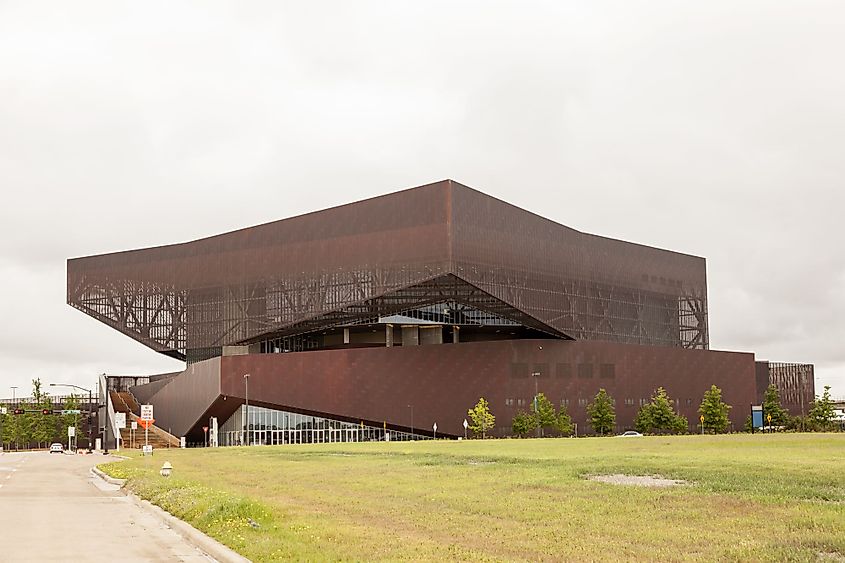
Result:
x=778 y=497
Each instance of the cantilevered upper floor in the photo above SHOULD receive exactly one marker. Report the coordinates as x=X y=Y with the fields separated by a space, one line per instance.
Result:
x=441 y=253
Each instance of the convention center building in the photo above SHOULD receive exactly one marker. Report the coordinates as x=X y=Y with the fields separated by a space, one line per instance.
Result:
x=388 y=315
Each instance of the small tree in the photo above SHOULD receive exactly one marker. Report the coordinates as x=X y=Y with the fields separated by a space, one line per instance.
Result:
x=659 y=417
x=772 y=406
x=523 y=424
x=822 y=414
x=714 y=410
x=563 y=422
x=482 y=419
x=4 y=429
x=43 y=425
x=602 y=413
x=544 y=412
x=67 y=420
x=20 y=426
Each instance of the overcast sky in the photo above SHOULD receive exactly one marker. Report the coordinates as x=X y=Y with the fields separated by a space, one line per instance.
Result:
x=712 y=128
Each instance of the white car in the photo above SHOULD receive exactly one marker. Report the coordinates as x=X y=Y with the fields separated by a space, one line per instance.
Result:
x=57 y=448
x=630 y=434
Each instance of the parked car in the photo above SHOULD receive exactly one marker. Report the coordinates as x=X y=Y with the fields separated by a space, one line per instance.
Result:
x=57 y=448
x=630 y=434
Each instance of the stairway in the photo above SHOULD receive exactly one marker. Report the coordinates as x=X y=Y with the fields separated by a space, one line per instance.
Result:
x=124 y=401
x=155 y=440
x=158 y=438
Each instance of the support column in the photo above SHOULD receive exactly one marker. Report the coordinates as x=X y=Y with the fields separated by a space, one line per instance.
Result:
x=388 y=335
x=410 y=335
x=456 y=334
x=346 y=336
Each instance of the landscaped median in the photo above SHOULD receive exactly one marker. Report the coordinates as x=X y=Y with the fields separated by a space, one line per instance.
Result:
x=775 y=497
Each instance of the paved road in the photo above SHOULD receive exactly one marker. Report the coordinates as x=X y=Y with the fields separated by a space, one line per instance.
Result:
x=51 y=509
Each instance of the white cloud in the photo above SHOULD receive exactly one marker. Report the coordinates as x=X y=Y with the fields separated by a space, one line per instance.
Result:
x=714 y=129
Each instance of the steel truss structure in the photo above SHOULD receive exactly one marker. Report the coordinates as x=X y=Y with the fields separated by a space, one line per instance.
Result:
x=419 y=253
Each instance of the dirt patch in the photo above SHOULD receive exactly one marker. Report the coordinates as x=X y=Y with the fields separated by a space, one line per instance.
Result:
x=637 y=480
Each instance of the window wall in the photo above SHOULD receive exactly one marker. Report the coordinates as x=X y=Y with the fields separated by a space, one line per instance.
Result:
x=262 y=426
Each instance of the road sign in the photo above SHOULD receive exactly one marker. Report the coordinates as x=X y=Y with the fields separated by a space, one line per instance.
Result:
x=146 y=423
x=4 y=410
x=134 y=425
x=147 y=449
x=146 y=412
x=120 y=419
x=434 y=426
x=71 y=431
x=72 y=411
x=769 y=418
x=701 y=418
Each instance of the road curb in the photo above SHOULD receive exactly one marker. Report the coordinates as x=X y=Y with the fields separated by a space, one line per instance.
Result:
x=201 y=541
x=108 y=479
x=198 y=539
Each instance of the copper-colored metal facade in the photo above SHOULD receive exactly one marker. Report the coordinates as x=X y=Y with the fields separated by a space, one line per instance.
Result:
x=517 y=293
x=795 y=382
x=439 y=243
x=377 y=385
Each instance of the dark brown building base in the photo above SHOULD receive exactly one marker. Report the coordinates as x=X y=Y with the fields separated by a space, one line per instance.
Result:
x=378 y=385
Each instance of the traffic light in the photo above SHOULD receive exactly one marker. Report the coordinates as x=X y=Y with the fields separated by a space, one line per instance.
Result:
x=20 y=411
x=46 y=411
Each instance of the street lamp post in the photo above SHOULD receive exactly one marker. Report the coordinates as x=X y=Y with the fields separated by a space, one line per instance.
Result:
x=536 y=376
x=246 y=407
x=90 y=411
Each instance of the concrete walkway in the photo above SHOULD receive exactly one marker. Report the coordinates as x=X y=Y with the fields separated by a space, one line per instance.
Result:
x=52 y=510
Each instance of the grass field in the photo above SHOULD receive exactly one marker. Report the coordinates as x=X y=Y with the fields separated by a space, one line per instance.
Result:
x=779 y=497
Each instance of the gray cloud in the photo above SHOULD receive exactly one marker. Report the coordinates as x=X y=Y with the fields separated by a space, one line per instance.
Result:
x=711 y=129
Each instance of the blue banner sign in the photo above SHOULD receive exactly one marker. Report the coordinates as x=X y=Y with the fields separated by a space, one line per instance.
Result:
x=757 y=417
